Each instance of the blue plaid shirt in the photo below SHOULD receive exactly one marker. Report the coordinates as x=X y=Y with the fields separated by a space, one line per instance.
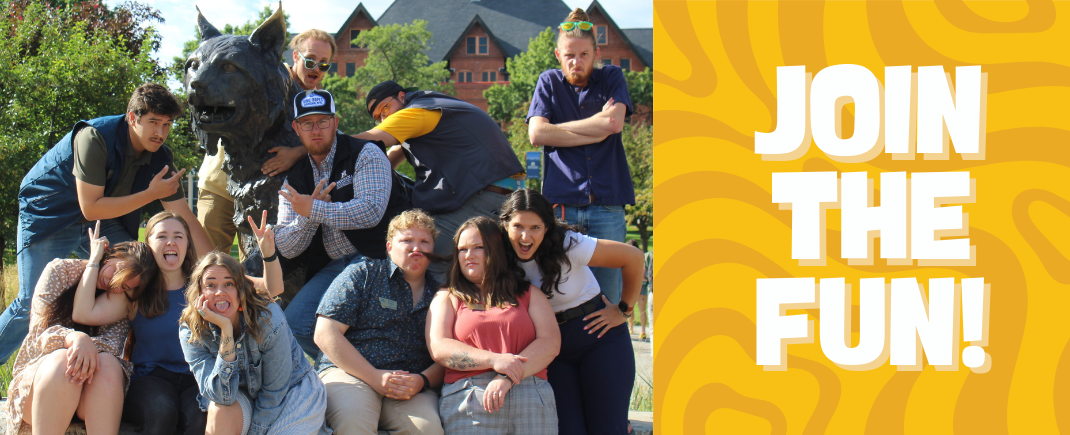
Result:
x=373 y=298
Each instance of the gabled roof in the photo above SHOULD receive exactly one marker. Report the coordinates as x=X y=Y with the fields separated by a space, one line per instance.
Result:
x=513 y=22
x=643 y=39
x=357 y=11
x=647 y=61
x=461 y=39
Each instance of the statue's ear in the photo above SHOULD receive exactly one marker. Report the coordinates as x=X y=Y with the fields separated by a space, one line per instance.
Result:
x=270 y=37
x=208 y=31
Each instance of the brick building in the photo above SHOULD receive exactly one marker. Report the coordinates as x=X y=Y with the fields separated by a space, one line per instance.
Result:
x=475 y=37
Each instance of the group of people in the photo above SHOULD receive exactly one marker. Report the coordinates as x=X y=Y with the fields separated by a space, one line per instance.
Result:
x=463 y=305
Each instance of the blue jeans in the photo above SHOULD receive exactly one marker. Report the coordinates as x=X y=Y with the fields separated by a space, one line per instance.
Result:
x=15 y=321
x=601 y=222
x=481 y=203
x=592 y=379
x=301 y=312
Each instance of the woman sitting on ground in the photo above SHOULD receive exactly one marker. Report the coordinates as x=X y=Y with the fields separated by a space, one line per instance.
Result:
x=162 y=394
x=495 y=334
x=66 y=368
x=593 y=374
x=253 y=376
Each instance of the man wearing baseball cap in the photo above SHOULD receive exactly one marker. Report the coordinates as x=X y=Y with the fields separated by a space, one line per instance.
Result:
x=334 y=207
x=465 y=166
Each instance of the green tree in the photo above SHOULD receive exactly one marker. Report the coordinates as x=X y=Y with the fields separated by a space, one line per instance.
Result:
x=395 y=52
x=505 y=102
x=639 y=148
x=57 y=70
x=641 y=92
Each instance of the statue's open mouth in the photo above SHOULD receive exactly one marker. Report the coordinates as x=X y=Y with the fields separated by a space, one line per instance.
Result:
x=214 y=114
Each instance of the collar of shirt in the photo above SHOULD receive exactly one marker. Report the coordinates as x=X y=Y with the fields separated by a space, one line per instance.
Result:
x=324 y=169
x=429 y=281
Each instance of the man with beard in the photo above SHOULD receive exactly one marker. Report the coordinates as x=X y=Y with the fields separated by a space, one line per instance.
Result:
x=334 y=207
x=576 y=115
x=312 y=53
x=375 y=364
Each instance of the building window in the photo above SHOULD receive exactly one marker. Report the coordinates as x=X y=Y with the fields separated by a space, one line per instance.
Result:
x=334 y=69
x=626 y=64
x=353 y=34
x=464 y=77
x=490 y=76
x=476 y=45
x=351 y=68
x=607 y=62
x=600 y=35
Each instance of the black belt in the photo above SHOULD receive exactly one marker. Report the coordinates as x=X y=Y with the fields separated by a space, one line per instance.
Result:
x=498 y=189
x=580 y=311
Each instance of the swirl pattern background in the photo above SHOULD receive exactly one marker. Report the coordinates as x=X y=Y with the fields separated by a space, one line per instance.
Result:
x=719 y=231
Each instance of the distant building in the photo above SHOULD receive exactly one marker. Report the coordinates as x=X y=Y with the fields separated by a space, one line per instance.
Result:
x=476 y=36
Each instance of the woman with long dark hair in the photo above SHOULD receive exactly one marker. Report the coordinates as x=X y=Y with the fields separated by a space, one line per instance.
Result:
x=593 y=374
x=68 y=368
x=494 y=332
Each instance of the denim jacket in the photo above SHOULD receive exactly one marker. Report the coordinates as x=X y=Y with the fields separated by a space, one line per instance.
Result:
x=272 y=367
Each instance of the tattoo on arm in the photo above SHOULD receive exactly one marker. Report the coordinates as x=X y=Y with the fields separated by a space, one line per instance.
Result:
x=461 y=361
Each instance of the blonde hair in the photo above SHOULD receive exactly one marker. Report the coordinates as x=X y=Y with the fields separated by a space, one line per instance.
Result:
x=252 y=304
x=316 y=34
x=409 y=219
x=578 y=15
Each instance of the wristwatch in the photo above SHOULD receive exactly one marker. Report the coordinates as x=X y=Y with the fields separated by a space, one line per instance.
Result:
x=625 y=310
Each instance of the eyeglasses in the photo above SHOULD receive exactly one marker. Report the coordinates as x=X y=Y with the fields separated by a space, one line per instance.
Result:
x=311 y=64
x=323 y=124
x=382 y=110
x=583 y=25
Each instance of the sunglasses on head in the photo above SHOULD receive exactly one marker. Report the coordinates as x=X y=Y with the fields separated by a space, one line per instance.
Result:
x=311 y=64
x=583 y=25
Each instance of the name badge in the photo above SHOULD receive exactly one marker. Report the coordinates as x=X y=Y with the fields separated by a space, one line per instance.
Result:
x=343 y=182
x=388 y=304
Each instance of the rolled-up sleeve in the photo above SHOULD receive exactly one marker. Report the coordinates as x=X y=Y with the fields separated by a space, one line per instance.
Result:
x=217 y=379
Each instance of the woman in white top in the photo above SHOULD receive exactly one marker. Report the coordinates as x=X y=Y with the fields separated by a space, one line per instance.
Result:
x=592 y=376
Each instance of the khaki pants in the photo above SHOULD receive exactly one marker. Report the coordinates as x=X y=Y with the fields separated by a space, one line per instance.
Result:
x=216 y=214
x=353 y=407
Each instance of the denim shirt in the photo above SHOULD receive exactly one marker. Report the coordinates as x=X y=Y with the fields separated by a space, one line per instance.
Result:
x=271 y=368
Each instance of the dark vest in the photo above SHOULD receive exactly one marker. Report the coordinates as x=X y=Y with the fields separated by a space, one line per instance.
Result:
x=465 y=153
x=370 y=242
x=48 y=201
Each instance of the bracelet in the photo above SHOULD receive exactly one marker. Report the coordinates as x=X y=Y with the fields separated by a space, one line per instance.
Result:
x=506 y=377
x=274 y=256
x=427 y=383
x=97 y=265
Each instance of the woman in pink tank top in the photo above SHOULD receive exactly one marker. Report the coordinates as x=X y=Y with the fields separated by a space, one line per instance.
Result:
x=495 y=334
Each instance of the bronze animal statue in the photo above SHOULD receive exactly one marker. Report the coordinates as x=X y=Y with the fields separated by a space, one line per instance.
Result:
x=240 y=93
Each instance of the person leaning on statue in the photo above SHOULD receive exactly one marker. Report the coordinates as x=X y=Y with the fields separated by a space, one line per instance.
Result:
x=334 y=207
x=465 y=166
x=105 y=169
x=312 y=53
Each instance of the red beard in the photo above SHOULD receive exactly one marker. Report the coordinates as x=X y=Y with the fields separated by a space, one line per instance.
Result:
x=576 y=77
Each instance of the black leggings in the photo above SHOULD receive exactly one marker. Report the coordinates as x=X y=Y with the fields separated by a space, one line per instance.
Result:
x=162 y=402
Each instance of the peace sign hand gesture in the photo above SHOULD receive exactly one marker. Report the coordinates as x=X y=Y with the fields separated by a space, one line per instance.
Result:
x=302 y=204
x=97 y=245
x=265 y=237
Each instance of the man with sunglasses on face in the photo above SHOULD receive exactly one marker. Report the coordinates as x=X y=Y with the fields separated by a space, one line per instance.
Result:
x=334 y=207
x=465 y=166
x=312 y=53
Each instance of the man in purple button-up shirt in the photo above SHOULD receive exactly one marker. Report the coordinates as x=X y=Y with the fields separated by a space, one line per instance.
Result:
x=576 y=115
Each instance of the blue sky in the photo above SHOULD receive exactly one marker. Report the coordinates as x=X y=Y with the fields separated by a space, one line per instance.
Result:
x=181 y=16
